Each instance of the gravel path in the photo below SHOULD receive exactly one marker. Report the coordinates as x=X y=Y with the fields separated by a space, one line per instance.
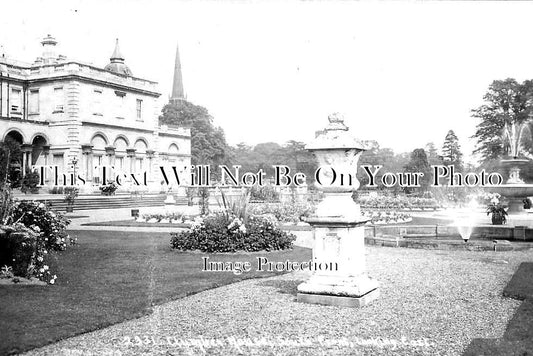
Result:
x=431 y=303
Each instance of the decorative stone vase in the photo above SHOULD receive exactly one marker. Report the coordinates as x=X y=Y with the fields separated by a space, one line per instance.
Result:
x=498 y=218
x=338 y=226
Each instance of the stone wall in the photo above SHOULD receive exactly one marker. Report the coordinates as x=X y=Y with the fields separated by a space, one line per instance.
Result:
x=488 y=232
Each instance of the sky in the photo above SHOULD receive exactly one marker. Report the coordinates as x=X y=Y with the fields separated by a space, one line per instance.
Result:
x=402 y=73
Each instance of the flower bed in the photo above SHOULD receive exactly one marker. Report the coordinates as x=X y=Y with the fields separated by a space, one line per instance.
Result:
x=165 y=218
x=386 y=217
x=284 y=212
x=225 y=232
x=398 y=202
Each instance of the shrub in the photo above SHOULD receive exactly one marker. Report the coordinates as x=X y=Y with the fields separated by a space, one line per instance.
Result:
x=6 y=203
x=23 y=253
x=203 y=194
x=51 y=224
x=18 y=245
x=71 y=193
x=30 y=182
x=265 y=193
x=265 y=235
x=57 y=189
x=221 y=232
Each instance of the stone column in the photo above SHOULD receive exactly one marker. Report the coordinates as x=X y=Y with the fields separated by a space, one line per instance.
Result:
x=163 y=158
x=26 y=157
x=150 y=160
x=86 y=163
x=339 y=276
x=110 y=154
x=130 y=152
x=46 y=160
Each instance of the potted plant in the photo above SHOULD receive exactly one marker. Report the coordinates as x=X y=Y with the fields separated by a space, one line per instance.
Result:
x=71 y=193
x=191 y=192
x=498 y=212
x=109 y=189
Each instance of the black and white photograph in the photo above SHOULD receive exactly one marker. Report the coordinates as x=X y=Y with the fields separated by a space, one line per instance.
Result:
x=260 y=177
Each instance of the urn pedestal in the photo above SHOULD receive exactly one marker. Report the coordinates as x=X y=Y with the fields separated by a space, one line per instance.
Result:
x=339 y=243
x=338 y=226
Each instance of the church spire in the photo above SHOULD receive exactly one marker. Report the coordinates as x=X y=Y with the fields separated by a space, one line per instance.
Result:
x=177 y=86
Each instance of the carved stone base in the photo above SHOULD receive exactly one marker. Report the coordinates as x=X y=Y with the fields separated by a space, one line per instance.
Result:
x=339 y=301
x=356 y=286
x=516 y=206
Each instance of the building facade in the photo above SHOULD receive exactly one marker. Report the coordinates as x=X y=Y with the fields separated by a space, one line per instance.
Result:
x=74 y=118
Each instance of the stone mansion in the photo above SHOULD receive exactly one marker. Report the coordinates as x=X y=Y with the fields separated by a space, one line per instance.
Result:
x=79 y=118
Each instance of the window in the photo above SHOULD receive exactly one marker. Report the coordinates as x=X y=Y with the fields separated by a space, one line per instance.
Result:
x=121 y=97
x=139 y=110
x=16 y=100
x=34 y=101
x=97 y=160
x=119 y=164
x=97 y=102
x=59 y=97
x=59 y=161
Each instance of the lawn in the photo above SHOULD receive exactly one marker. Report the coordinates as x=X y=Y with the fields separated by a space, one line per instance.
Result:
x=110 y=277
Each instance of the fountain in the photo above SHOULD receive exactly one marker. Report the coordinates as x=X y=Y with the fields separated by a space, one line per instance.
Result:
x=338 y=227
x=465 y=219
x=515 y=189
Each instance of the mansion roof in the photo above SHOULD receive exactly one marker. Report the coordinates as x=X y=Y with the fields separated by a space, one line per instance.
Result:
x=52 y=67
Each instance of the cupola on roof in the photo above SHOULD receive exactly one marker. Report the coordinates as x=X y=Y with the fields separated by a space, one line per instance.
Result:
x=117 y=64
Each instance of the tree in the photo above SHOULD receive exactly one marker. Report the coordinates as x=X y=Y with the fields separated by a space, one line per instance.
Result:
x=418 y=162
x=10 y=162
x=208 y=143
x=508 y=107
x=433 y=156
x=300 y=159
x=267 y=154
x=242 y=155
x=385 y=157
x=451 y=151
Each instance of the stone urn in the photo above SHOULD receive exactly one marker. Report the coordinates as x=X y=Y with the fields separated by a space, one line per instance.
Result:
x=339 y=270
